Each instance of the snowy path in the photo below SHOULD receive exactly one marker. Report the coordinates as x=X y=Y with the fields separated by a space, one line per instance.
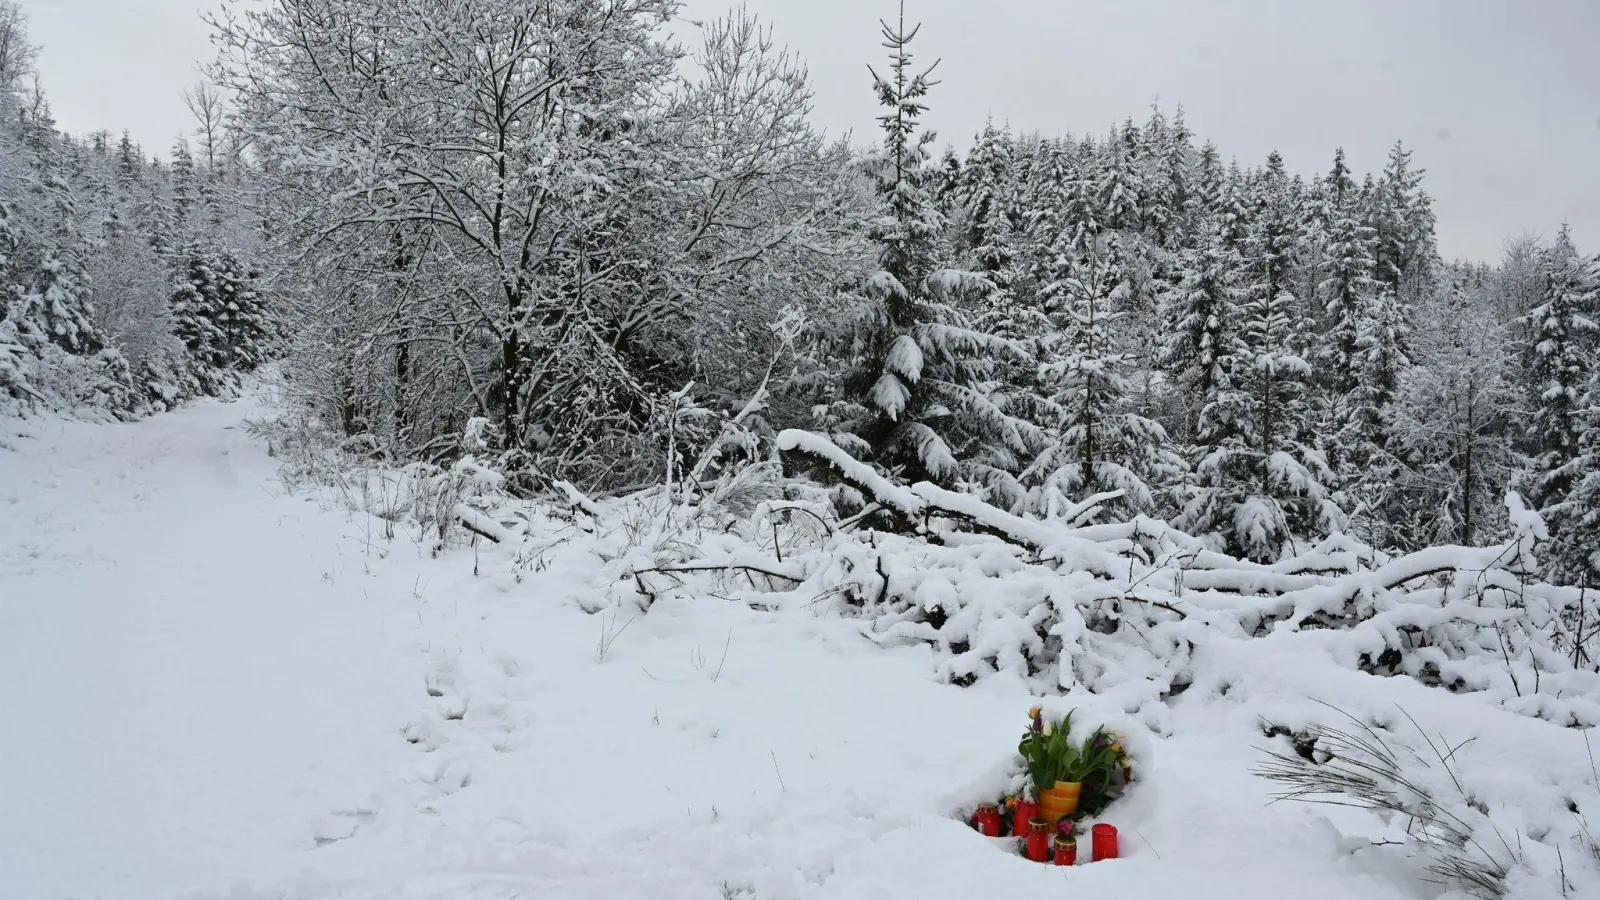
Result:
x=181 y=682
x=215 y=690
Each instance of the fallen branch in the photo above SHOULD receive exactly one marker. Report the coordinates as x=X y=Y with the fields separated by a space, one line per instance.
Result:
x=480 y=524
x=720 y=567
x=820 y=452
x=577 y=500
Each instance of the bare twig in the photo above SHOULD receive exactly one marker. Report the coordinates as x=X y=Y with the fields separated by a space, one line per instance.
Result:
x=609 y=637
x=724 y=660
x=778 y=770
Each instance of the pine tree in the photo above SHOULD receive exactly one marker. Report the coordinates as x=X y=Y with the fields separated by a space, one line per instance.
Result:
x=1575 y=518
x=1120 y=191
x=1261 y=485
x=1402 y=221
x=919 y=374
x=986 y=182
x=1101 y=443
x=1562 y=352
x=56 y=299
x=1202 y=321
x=1347 y=288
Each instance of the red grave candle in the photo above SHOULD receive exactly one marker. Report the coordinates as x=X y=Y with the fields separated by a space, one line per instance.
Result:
x=1038 y=840
x=1105 y=842
x=1066 y=852
x=988 y=820
x=1027 y=808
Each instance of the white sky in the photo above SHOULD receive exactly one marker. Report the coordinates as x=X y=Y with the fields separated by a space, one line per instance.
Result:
x=1500 y=99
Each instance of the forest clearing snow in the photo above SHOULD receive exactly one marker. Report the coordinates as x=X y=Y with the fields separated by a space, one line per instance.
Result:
x=217 y=689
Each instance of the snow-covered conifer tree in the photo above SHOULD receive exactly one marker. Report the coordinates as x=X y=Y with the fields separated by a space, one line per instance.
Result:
x=57 y=299
x=1575 y=519
x=1120 y=190
x=1563 y=340
x=1402 y=220
x=1348 y=284
x=1261 y=485
x=1101 y=443
x=918 y=373
x=1202 y=321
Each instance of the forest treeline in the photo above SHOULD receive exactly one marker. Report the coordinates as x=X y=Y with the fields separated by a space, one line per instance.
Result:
x=545 y=223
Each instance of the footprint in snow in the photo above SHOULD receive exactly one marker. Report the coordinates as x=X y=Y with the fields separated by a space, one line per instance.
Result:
x=448 y=776
x=338 y=825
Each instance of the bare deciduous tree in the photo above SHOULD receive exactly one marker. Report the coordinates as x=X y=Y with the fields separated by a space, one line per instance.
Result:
x=205 y=103
x=17 y=55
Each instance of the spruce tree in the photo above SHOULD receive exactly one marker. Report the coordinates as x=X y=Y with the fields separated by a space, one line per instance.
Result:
x=1271 y=239
x=1383 y=359
x=1402 y=222
x=985 y=188
x=56 y=298
x=185 y=187
x=1209 y=178
x=1261 y=485
x=1348 y=284
x=1575 y=518
x=1120 y=191
x=1101 y=443
x=1178 y=220
x=15 y=356
x=130 y=160
x=1081 y=206
x=918 y=381
x=990 y=192
x=946 y=183
x=1201 y=319
x=1562 y=359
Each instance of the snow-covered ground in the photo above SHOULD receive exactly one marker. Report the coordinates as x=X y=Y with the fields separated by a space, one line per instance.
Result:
x=216 y=689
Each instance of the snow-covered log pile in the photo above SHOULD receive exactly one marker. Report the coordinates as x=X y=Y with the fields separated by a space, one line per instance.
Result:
x=1122 y=608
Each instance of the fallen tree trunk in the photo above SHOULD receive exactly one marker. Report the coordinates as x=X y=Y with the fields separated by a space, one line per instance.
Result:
x=817 y=451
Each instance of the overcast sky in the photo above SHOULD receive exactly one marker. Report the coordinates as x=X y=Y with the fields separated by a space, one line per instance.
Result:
x=1500 y=99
